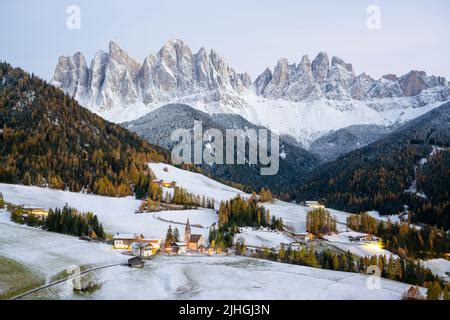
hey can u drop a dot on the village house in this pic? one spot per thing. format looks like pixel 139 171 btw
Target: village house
pixel 296 245
pixel 304 237
pixel 361 238
pixel 177 248
pixel 155 243
pixel 142 249
pixel 314 205
pixel 40 213
pixel 123 241
pixel 194 242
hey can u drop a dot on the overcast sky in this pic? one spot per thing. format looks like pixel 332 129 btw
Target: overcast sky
pixel 251 35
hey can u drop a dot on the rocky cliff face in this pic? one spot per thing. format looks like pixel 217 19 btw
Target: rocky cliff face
pixel 304 99
pixel 337 81
pixel 115 79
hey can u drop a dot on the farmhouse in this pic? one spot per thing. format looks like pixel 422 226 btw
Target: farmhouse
pixel 304 237
pixel 155 243
pixel 123 241
pixel 361 238
pixel 142 249
pixel 165 184
pixel 314 205
pixel 38 212
pixel 194 242
pixel 179 247
pixel 296 245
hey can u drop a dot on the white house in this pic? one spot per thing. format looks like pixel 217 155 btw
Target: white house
pixel 304 237
pixel 123 241
pixel 182 248
pixel 142 249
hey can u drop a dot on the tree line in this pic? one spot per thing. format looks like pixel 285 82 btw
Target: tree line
pixel 247 213
pixel 180 196
pixel 320 221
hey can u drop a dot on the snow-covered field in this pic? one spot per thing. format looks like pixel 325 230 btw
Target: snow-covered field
pixel 262 238
pixel 196 183
pixel 295 215
pixel 180 277
pixel 229 278
pixel 439 267
pixel 48 253
pixel 375 214
pixel 116 214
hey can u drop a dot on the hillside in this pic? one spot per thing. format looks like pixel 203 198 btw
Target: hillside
pixel 50 140
pixel 156 127
pixel 337 143
pixel 409 166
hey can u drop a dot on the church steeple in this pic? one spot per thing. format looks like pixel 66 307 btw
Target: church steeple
pixel 187 232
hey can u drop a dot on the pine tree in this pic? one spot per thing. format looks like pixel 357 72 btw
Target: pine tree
pixel 176 235
pixel 169 236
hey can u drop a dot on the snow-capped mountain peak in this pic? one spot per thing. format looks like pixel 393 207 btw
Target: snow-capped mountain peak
pixel 305 99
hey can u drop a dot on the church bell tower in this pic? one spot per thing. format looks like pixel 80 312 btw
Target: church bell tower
pixel 187 233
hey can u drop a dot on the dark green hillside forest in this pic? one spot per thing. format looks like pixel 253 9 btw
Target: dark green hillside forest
pixel 47 139
pixel 377 176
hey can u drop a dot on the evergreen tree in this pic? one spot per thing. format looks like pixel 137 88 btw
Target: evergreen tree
pixel 176 235
pixel 169 236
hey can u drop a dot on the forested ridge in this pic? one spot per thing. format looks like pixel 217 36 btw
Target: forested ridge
pixel 48 139
pixel 376 177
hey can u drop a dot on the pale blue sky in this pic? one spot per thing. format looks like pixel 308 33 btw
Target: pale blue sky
pixel 251 35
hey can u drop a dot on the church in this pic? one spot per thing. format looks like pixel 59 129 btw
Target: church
pixel 194 242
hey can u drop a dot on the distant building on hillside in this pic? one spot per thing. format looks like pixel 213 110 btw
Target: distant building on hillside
pixel 361 238
pixel 194 242
pixel 37 212
pixel 304 237
pixel 314 204
pixel 165 184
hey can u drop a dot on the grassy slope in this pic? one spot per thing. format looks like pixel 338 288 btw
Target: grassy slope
pixel 16 278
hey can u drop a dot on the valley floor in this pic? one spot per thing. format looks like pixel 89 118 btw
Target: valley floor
pixel 44 256
pixel 179 277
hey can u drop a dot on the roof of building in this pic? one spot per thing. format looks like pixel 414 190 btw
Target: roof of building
pixel 141 244
pixel 125 236
pixel 33 208
pixel 195 238
pixel 152 240
pixel 135 260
